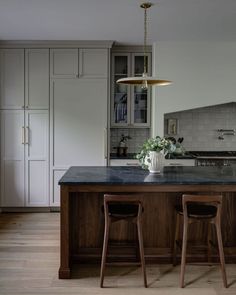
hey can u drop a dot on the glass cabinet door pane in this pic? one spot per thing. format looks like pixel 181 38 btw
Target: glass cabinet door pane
pixel 120 90
pixel 139 65
pixel 140 105
pixel 120 102
pixel 121 65
pixel 140 98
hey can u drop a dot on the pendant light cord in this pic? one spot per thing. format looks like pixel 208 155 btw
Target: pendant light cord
pixel 144 80
pixel 145 42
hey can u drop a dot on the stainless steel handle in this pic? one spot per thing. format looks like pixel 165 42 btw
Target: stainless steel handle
pixel 23 135
pixel 27 135
pixel 105 143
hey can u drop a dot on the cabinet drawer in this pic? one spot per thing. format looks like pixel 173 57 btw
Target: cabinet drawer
pixel 180 162
pixel 125 162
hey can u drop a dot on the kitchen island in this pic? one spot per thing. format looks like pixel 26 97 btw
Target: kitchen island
pixel 82 220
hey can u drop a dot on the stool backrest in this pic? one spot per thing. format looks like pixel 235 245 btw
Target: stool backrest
pixel 215 200
pixel 122 199
pixel 132 199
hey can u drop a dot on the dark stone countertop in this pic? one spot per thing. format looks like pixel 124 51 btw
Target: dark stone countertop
pixel 137 175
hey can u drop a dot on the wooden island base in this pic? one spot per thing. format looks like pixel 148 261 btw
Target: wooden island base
pixel 82 224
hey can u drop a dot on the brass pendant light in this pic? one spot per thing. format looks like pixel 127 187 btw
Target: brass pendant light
pixel 144 80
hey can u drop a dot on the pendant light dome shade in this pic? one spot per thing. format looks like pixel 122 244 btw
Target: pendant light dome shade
pixel 144 80
pixel 141 81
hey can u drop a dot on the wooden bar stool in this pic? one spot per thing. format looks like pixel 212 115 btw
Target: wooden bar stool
pixel 122 207
pixel 205 208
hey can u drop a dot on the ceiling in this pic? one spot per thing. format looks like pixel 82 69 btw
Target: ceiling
pixel 118 20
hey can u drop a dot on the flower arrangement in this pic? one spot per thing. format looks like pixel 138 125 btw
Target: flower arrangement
pixel 156 144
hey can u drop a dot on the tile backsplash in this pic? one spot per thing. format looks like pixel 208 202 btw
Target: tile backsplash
pixel 138 136
pixel 199 127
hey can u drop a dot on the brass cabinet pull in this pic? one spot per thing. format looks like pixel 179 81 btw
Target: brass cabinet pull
pixel 105 143
pixel 23 135
pixel 27 135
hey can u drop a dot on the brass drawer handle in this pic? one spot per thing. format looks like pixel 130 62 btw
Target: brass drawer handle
pixel 23 135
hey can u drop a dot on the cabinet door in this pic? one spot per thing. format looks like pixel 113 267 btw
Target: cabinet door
pixel 140 98
pixel 12 158
pixel 93 63
pixel 37 78
pixel 120 104
pixel 12 78
pixel 36 158
pixel 64 63
pixel 79 122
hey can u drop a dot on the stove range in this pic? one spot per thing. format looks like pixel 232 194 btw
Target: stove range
pixel 216 158
pixel 210 154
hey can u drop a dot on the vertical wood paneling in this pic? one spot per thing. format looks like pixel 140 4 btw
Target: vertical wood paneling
pixel 87 223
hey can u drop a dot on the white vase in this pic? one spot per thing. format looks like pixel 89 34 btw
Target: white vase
pixel 156 162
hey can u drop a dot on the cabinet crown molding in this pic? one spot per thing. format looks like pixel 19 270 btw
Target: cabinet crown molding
pixel 56 44
pixel 131 48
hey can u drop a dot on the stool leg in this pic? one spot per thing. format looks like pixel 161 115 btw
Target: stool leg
pixel 141 249
pixel 104 250
pixel 221 251
pixel 175 239
pixel 137 253
pixel 184 248
pixel 209 242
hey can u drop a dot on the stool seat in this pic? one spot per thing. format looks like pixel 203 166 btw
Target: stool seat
pixel 122 211
pixel 198 210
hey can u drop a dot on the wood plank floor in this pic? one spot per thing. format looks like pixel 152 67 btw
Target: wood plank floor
pixel 29 262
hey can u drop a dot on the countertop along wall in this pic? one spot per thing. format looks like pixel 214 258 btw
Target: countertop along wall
pixel 203 74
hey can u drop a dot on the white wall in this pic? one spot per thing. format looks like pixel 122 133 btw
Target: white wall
pixel 203 74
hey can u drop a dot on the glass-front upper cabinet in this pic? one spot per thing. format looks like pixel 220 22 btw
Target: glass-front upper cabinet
pixel 120 92
pixel 130 105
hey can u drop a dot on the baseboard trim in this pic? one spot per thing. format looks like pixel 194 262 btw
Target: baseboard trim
pixel 55 209
pixel 25 209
